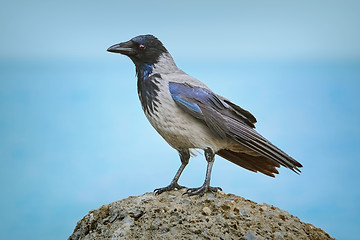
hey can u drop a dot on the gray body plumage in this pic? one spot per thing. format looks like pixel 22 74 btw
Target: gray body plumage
pixel 188 115
pixel 178 129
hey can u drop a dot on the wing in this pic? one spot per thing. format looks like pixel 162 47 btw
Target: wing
pixel 202 104
pixel 228 120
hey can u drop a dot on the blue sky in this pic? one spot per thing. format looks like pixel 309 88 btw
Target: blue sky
pixel 73 136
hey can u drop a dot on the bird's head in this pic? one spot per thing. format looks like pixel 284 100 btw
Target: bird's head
pixel 143 49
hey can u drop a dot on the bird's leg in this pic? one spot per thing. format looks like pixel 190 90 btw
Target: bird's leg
pixel 210 158
pixel 184 157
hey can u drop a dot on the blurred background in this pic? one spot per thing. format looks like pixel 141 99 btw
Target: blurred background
pixel 73 135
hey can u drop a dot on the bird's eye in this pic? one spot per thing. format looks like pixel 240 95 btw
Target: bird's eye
pixel 142 47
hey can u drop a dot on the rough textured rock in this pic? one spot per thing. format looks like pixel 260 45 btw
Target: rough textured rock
pixel 171 215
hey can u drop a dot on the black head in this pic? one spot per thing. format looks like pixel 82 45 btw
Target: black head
pixel 143 49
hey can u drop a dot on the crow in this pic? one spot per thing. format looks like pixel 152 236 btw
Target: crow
pixel 188 115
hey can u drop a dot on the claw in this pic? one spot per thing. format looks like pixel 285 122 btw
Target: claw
pixel 172 186
pixel 201 190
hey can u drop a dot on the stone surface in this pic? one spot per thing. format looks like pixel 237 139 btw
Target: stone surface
pixel 171 215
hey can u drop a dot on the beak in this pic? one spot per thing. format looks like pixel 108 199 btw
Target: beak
pixel 123 48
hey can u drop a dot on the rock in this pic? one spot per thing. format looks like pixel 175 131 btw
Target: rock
pixel 206 211
pixel 171 215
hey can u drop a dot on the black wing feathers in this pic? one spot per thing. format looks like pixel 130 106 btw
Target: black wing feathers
pixel 245 115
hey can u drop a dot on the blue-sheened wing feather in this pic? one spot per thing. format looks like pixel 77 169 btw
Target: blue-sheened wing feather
pixel 201 104
pixel 191 106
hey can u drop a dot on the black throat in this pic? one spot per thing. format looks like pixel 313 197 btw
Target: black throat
pixel 147 85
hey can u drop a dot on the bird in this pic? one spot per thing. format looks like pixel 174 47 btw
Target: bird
pixel 190 116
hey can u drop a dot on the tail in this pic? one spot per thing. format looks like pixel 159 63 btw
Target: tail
pixel 257 163
pixel 266 156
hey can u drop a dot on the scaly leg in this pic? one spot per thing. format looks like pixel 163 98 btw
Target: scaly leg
pixel 210 158
pixel 184 157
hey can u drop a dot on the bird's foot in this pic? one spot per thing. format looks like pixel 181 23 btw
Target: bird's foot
pixel 201 190
pixel 172 186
